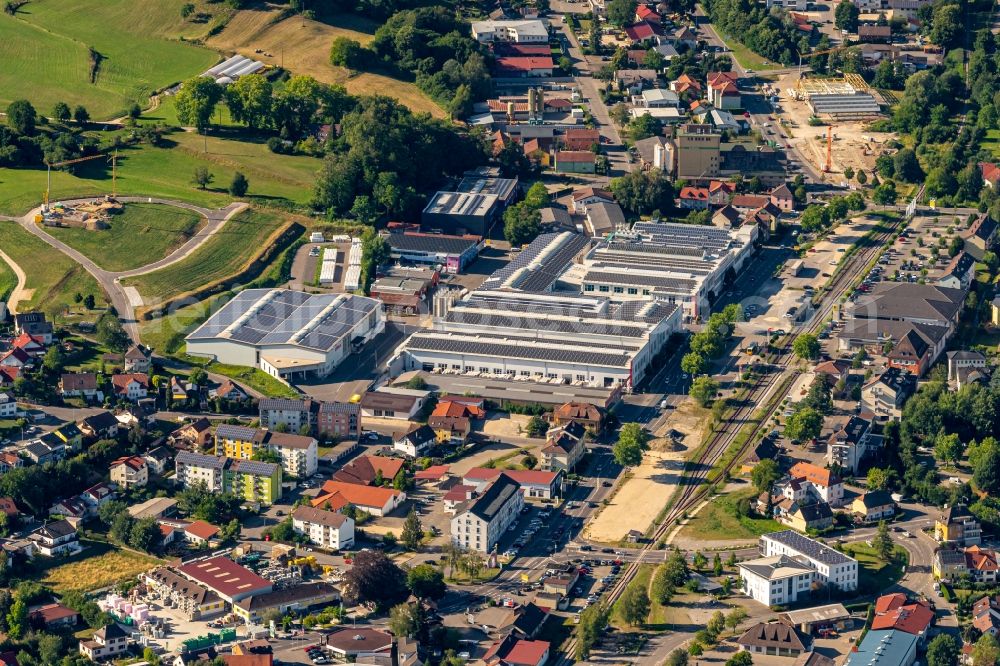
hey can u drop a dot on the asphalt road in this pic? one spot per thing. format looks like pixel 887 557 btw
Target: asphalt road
pixel 109 280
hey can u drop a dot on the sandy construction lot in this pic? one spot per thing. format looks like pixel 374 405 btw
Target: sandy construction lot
pixel 639 500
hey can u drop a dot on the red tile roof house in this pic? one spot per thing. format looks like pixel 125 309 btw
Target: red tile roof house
pixel 16 358
pixel 524 66
pixel 645 13
pixel 590 195
pixel 684 83
pixel 53 615
pixel 366 470
pixel 515 651
pixel 991 174
pixel 371 499
pixel 723 92
pixel 133 386
pixel 78 384
pixel 694 198
pixel 895 611
pixel 199 532
pixel 536 484
pixel 33 345
pixel 642 31
pixel 720 192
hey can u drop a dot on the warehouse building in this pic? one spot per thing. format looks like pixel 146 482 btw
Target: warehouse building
pixel 557 338
pixel 452 253
pixel 472 207
pixel 288 334
pixel 681 264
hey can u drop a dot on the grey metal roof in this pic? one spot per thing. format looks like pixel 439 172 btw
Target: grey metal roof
pixel 430 243
pixel 809 547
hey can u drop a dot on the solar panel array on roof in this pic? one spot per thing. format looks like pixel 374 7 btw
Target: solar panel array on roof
pixel 536 321
pixel 809 547
pixel 281 316
pixel 507 348
pixel 540 264
pixel 640 279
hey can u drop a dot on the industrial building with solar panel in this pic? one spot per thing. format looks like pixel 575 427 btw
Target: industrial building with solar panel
pixel 288 334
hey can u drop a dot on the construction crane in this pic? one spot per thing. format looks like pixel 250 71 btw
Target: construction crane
pixel 114 172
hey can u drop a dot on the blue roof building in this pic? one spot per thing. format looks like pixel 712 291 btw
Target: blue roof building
pixel 885 648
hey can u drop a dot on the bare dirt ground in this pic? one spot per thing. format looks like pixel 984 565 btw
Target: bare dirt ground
pixel 850 148
pixel 640 499
pixel 303 47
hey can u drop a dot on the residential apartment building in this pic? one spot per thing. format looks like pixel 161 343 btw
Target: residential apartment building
pixel 823 484
pixel 832 568
pixel 290 415
pixel 298 453
pixel 957 525
pixel 338 420
pixel 191 469
pixel 251 480
pixel 326 529
pixel 850 443
pixel 564 447
pixel 885 394
pixel 130 472
pixel 480 524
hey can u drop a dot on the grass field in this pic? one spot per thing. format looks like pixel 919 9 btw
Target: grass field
pixel 46 53
pixel 255 379
pixel 992 142
pixel 142 234
pixel 93 573
pixel 302 46
pixel 7 280
pixel 719 520
pixel 238 242
pixel 747 58
pixel 167 172
pixel 874 575
pixel 166 334
pixel 53 277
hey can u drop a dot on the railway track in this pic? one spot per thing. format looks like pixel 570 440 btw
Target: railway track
pixel 774 383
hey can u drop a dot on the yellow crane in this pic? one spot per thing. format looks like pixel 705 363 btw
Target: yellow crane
pixel 114 171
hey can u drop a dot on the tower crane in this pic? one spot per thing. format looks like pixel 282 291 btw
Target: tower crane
pixel 114 172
